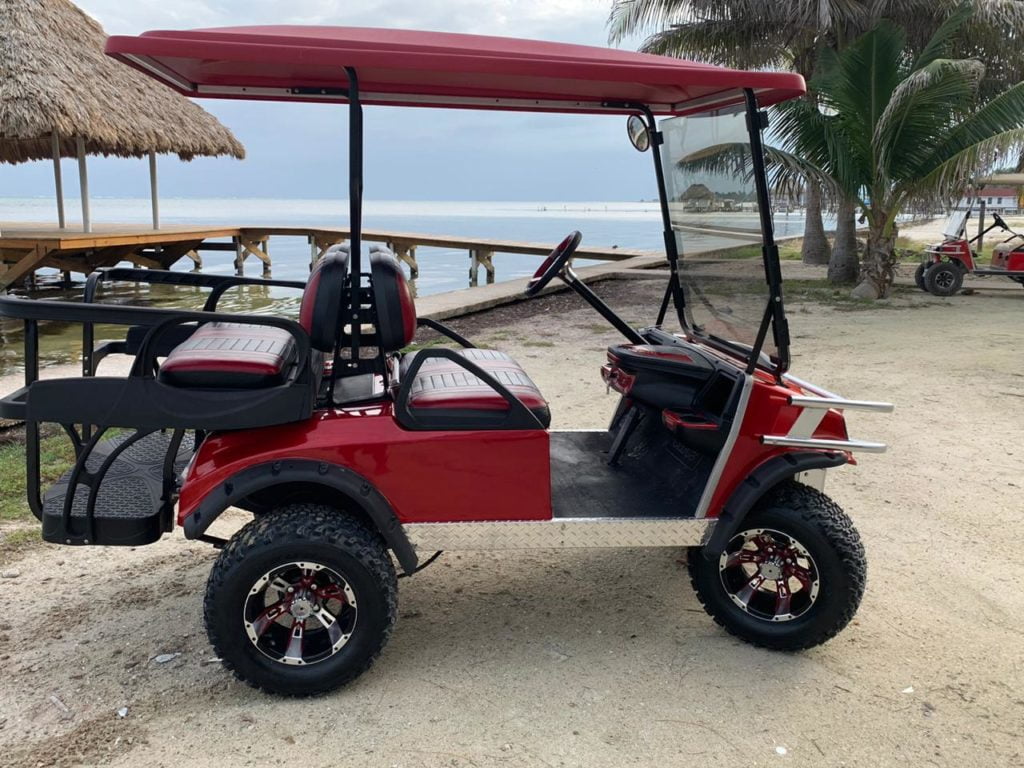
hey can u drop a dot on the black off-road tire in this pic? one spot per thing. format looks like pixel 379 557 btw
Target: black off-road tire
pixel 919 275
pixel 943 278
pixel 817 522
pixel 301 532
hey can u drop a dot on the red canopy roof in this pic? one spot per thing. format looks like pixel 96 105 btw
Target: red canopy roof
pixel 408 68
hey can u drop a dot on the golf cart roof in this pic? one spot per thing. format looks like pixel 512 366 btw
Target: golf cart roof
pixel 437 69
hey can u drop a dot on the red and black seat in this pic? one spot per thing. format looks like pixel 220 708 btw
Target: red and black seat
pixel 238 356
pixel 442 393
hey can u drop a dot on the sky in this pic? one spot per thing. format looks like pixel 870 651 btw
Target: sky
pixel 299 150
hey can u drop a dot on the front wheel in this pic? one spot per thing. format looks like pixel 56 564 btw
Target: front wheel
pixel 791 577
pixel 943 278
pixel 301 600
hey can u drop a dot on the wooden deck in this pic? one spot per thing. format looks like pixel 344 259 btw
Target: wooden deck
pixel 26 247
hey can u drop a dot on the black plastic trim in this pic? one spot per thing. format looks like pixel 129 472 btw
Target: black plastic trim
pixel 341 479
pixel 434 325
pixel 757 484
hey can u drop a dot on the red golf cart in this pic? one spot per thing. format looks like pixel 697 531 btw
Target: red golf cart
pixel 945 264
pixel 354 456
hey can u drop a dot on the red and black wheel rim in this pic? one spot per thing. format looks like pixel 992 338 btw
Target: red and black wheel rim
pixel 769 575
pixel 300 613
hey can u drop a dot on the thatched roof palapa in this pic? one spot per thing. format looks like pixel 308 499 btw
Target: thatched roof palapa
pixel 54 76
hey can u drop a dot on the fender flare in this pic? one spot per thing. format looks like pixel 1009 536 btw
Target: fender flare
pixel 332 476
pixel 765 477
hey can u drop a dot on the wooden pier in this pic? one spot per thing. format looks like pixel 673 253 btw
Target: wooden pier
pixel 24 248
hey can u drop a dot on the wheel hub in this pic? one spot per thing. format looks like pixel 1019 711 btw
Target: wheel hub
pixel 769 575
pixel 300 613
pixel 301 608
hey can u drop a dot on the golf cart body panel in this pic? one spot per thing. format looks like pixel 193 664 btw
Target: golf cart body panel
pixel 344 444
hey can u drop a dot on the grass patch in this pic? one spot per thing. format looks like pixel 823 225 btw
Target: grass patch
pixel 14 541
pixel 417 345
pixel 538 343
pixel 55 456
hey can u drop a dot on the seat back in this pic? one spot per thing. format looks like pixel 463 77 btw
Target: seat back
pixel 324 298
pixel 394 305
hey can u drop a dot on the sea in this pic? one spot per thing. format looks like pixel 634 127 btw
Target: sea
pixel 627 225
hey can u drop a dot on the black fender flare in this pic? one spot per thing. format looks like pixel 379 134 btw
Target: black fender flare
pixel 332 476
pixel 756 485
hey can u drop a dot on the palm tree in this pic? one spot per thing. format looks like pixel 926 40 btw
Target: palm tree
pixel 890 130
pixel 792 33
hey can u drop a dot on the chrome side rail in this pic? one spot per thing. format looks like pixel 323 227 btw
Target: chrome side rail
pixel 841 404
pixel 824 444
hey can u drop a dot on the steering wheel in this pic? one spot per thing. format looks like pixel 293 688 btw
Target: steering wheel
pixel 999 221
pixel 553 264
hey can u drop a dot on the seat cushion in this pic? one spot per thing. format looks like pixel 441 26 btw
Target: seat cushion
pixel 232 356
pixel 444 392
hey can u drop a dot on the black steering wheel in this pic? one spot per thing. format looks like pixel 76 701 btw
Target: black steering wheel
pixel 999 221
pixel 553 264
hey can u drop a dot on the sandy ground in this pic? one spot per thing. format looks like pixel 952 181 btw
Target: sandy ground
pixel 601 658
pixel 931 231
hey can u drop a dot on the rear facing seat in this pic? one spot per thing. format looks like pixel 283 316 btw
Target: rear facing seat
pixel 230 355
pixel 239 356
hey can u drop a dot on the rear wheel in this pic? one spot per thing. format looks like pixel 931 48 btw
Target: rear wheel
pixel 919 275
pixel 943 278
pixel 301 600
pixel 791 577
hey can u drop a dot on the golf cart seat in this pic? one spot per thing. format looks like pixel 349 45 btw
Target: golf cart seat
pixel 443 394
pixel 238 356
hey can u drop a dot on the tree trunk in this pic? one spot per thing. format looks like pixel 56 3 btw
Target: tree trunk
pixel 816 249
pixel 843 265
pixel 879 266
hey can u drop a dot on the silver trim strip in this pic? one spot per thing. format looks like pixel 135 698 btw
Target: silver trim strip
pixel 560 533
pixel 822 443
pixel 160 72
pixel 371 97
pixel 811 387
pixel 726 452
pixel 841 404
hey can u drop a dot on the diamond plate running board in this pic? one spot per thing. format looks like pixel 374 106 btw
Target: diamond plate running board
pixel 564 533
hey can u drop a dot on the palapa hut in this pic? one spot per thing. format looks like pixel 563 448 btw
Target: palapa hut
pixel 60 96
pixel 698 197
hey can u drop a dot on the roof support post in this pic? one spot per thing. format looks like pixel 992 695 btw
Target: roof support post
pixel 355 204
pixel 83 183
pixel 154 196
pixel 58 182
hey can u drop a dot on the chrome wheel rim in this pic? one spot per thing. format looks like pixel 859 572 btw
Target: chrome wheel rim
pixel 769 575
pixel 300 613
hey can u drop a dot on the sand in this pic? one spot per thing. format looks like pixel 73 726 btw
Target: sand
pixel 604 657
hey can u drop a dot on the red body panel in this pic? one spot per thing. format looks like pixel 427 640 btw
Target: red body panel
pixel 768 413
pixel 953 250
pixel 426 476
pixel 479 475
pixel 1008 256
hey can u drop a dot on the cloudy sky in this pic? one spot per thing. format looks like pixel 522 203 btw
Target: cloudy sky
pixel 297 150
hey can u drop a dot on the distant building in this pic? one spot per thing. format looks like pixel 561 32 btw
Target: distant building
pixel 996 199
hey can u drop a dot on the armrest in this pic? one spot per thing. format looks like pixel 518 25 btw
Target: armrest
pixel 219 283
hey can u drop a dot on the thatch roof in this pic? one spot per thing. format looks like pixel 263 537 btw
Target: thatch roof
pixel 55 76
pixel 698 192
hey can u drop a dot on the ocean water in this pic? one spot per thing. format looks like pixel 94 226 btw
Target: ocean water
pixel 632 225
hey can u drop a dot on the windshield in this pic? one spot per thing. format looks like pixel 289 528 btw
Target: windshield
pixel 956 224
pixel 716 223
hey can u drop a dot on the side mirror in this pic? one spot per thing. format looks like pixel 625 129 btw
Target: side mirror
pixel 638 133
